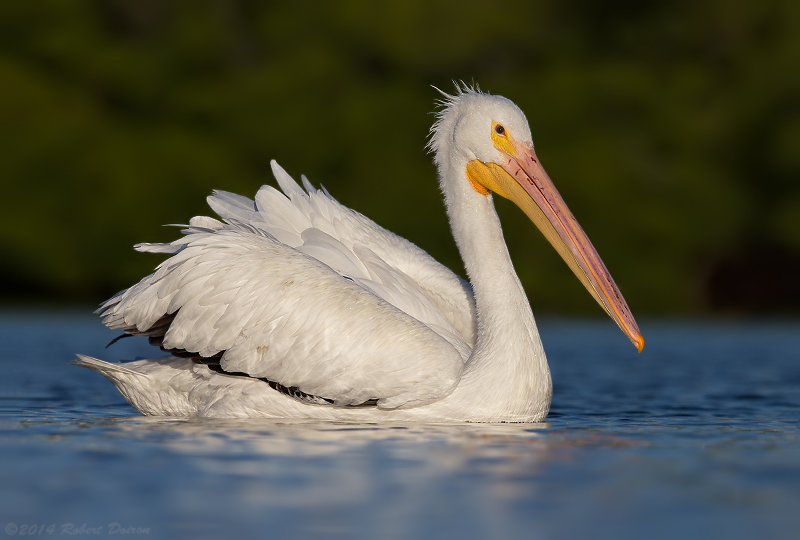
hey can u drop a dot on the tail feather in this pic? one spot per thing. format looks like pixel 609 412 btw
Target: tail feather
pixel 173 386
pixel 112 371
pixel 147 394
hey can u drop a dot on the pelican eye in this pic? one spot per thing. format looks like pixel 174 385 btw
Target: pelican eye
pixel 501 139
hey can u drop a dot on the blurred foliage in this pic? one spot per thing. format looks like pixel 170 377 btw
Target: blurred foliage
pixel 672 129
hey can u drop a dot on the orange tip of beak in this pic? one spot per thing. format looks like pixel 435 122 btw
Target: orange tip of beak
pixel 639 343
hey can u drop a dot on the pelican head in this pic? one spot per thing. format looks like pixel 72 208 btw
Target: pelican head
pixel 485 141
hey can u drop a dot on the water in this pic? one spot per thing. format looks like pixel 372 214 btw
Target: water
pixel 697 437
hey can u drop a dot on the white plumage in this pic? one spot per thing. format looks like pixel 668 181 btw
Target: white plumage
pixel 296 306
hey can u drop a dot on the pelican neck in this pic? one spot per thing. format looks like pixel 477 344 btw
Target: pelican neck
pixel 507 369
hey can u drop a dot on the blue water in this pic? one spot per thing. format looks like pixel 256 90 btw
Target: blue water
pixel 697 437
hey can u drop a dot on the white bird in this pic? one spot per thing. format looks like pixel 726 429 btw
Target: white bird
pixel 295 306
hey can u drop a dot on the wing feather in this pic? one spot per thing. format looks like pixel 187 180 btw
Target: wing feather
pixel 295 321
pixel 298 289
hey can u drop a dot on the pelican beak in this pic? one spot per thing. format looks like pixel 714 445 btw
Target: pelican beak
pixel 522 180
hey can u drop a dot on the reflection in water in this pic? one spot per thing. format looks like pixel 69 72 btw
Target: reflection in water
pixel 423 481
pixel 399 480
pixel 308 438
pixel 416 455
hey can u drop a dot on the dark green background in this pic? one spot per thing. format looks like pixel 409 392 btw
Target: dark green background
pixel 672 129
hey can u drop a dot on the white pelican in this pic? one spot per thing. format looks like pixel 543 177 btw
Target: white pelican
pixel 294 306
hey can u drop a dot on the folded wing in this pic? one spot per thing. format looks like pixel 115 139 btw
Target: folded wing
pixel 306 293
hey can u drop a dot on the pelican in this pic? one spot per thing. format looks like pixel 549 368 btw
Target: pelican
pixel 295 306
